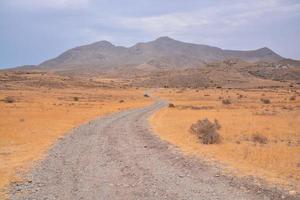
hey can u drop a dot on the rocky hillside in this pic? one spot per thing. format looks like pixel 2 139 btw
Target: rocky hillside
pixel 162 53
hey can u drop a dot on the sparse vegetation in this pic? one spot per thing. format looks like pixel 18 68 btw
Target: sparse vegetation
pixel 34 117
pixel 287 107
pixel 240 96
pixel 9 99
pixel 146 95
pixel 76 98
pixel 293 98
pixel 254 135
pixel 206 131
pixel 121 101
pixel 259 138
pixel 265 100
pixel 226 101
pixel 171 105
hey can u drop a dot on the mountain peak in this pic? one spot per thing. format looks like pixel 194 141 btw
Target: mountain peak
pixel 165 38
pixel 267 51
pixel 102 43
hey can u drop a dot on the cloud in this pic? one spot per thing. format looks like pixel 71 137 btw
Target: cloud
pixel 163 23
pixel 50 4
pixel 220 17
pixel 51 26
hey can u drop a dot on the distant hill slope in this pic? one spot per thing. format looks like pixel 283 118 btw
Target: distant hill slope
pixel 162 53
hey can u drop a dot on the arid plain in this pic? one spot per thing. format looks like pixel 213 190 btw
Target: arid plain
pixel 259 139
pixel 44 108
pixel 236 110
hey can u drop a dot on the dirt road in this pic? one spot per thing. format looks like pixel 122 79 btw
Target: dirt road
pixel 117 157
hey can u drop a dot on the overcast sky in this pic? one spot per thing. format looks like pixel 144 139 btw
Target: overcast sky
pixel 32 31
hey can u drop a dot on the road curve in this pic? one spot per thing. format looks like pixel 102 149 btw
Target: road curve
pixel 117 157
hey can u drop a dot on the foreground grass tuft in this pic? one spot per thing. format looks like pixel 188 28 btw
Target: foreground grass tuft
pixel 207 131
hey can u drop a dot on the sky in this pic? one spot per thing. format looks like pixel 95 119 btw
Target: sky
pixel 32 31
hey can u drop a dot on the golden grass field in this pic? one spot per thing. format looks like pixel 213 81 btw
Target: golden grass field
pixel 40 116
pixel 47 106
pixel 278 161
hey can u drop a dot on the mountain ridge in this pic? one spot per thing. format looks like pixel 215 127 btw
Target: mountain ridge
pixel 164 52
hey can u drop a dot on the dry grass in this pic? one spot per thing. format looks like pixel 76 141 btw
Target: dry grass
pixel 31 125
pixel 276 161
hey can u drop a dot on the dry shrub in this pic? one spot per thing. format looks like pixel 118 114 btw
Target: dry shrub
pixel 287 107
pixel 121 101
pixel 76 98
pixel 293 98
pixel 226 101
pixel 9 99
pixel 171 105
pixel 206 131
pixel 240 96
pixel 195 107
pixel 265 100
pixel 258 138
pixel 146 95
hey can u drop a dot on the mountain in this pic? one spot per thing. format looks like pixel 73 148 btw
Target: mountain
pixel 162 53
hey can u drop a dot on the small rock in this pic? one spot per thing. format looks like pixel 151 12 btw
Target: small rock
pixel 243 188
pixel 40 184
pixel 292 192
pixel 217 175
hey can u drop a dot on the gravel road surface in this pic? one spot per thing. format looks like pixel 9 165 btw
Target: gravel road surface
pixel 118 157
